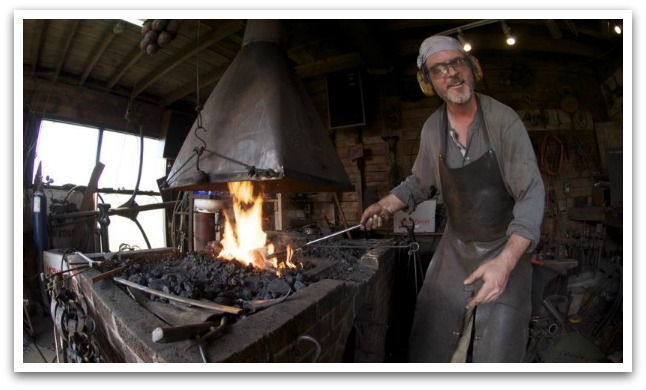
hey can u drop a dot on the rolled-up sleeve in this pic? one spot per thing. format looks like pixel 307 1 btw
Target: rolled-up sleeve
pixel 419 186
pixel 523 178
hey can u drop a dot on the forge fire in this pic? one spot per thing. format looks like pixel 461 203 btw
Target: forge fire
pixel 243 238
pixel 239 268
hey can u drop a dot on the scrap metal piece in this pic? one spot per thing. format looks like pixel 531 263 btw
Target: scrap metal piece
pixel 212 333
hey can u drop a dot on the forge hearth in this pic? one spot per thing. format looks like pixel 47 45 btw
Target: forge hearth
pixel 340 300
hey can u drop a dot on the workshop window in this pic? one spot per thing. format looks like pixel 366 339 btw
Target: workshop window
pixel 120 155
pixel 69 153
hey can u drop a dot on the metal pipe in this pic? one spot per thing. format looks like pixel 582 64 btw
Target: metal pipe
pixel 90 262
pixel 553 311
pixel 117 211
pixel 468 26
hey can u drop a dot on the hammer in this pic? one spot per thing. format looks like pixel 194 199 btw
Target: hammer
pixel 183 332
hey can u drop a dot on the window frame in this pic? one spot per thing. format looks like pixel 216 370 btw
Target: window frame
pixel 100 146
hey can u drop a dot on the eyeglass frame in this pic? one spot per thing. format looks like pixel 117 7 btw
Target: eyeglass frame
pixel 456 63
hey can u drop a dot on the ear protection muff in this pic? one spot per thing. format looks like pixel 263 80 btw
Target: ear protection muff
pixel 424 82
pixel 475 68
pixel 424 78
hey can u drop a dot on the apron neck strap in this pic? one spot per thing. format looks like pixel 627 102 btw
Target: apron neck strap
pixel 444 125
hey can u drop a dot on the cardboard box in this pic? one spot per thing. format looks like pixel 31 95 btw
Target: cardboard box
pixel 423 216
pixel 52 261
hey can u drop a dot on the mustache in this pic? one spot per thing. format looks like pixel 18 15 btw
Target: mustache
pixel 456 80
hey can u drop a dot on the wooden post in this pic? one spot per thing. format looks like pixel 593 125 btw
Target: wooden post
pixel 87 204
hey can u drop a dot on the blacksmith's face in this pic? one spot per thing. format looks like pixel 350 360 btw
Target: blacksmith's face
pixel 451 76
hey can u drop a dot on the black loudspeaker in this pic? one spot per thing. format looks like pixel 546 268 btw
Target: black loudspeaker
pixel 345 99
pixel 175 128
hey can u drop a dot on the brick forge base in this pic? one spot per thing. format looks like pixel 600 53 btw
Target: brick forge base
pixel 348 319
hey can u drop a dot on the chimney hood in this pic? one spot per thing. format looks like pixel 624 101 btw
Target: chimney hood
pixel 259 124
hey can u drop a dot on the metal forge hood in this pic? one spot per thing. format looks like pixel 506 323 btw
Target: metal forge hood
pixel 259 124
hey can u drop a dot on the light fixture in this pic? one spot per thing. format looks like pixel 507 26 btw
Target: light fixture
pixel 617 28
pixel 511 40
pixel 466 45
pixel 136 22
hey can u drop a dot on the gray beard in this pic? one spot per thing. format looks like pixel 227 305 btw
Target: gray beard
pixel 450 95
pixel 453 96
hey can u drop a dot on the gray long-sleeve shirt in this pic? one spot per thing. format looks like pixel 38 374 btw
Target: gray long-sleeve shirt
pixel 516 158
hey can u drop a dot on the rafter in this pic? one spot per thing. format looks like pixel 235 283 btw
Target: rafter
pixel 68 42
pixel 39 34
pixel 207 79
pixel 328 65
pixel 135 54
pixel 98 52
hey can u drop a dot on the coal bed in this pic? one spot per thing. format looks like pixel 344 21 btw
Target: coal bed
pixel 313 312
pixel 198 275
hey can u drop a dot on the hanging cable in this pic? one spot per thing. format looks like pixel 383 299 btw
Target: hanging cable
pixel 203 176
pixel 551 170
pixel 555 169
pixel 131 201
pixel 198 108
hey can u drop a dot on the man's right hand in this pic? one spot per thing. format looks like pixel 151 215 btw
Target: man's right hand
pixel 377 213
pixel 373 217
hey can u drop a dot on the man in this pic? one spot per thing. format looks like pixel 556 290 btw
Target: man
pixel 475 303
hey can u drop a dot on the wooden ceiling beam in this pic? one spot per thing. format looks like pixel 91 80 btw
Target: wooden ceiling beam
pixel 66 47
pixel 39 37
pixel 135 54
pixel 98 52
pixel 207 79
pixel 328 65
pixel 224 30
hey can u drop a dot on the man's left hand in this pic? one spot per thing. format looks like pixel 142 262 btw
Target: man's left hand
pixel 494 274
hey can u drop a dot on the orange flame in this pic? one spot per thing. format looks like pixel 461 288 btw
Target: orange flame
pixel 247 242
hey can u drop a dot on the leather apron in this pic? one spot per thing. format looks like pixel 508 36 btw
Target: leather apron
pixel 479 211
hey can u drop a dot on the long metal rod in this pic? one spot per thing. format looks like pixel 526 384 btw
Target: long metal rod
pixel 333 234
pixel 193 302
pixel 116 211
pixel 281 253
pixel 469 26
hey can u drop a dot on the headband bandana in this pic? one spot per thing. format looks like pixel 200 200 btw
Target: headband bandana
pixel 436 44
